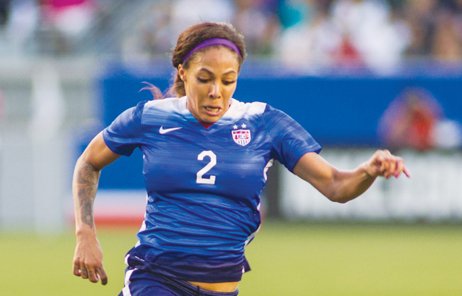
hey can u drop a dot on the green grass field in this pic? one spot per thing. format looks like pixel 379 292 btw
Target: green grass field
pixel 286 258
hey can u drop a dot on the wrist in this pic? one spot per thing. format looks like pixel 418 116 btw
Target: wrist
pixel 84 231
pixel 364 168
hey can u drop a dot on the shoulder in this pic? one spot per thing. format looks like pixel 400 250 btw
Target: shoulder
pixel 240 109
pixel 166 105
pixel 252 108
pixel 255 110
pixel 272 113
pixel 155 110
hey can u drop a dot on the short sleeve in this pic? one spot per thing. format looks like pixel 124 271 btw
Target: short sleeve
pixel 124 134
pixel 290 141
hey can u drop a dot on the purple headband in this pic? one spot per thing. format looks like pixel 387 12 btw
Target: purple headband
pixel 212 42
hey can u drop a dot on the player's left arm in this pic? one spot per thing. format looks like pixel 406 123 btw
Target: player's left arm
pixel 345 185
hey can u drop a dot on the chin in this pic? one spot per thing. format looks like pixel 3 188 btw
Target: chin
pixel 209 120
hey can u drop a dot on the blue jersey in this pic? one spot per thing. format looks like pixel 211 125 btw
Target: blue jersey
pixel 203 184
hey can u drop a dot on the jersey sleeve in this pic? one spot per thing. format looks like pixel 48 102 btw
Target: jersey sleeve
pixel 124 134
pixel 290 141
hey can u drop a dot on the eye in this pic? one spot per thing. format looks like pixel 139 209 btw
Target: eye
pixel 229 82
pixel 202 80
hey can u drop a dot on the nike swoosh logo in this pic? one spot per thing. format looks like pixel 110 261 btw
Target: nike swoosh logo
pixel 163 130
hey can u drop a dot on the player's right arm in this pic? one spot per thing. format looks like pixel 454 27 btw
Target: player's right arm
pixel 88 257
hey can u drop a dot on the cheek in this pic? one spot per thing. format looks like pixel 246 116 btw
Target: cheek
pixel 229 90
pixel 195 95
pixel 191 93
pixel 196 89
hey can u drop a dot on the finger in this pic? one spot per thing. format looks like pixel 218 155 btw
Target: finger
pixel 102 275
pixel 380 163
pixel 384 167
pixel 392 166
pixel 393 163
pixel 92 275
pixel 399 168
pixel 83 271
pixel 406 172
pixel 77 269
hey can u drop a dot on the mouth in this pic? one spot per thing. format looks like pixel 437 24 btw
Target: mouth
pixel 212 110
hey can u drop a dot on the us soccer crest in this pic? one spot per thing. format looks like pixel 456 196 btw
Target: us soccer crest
pixel 241 136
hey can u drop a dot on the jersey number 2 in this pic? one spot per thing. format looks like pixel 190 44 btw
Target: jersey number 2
pixel 200 179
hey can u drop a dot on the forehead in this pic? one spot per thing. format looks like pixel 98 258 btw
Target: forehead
pixel 215 58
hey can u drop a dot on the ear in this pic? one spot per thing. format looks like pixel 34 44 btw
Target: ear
pixel 182 72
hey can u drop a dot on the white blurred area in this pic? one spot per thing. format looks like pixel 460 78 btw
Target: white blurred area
pixel 51 53
pixel 349 32
pixel 44 109
pixel 432 193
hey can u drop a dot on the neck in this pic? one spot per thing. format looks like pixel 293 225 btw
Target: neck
pixel 206 124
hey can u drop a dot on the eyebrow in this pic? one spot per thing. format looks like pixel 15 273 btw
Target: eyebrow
pixel 211 73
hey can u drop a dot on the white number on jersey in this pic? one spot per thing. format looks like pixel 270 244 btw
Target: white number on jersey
pixel 200 174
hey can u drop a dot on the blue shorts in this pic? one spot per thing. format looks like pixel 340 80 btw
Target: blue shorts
pixel 144 283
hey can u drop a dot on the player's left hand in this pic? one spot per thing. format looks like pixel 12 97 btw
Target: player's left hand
pixel 383 163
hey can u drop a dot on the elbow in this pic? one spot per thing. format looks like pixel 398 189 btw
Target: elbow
pixel 339 191
pixel 338 197
pixel 341 200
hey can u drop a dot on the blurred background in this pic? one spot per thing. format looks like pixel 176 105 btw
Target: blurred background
pixel 357 74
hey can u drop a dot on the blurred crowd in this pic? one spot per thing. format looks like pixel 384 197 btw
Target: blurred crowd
pixel 310 36
pixel 415 120
pixel 301 34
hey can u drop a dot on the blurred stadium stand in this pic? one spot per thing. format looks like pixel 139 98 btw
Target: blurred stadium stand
pixel 60 84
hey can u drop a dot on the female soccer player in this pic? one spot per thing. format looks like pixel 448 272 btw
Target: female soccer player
pixel 205 158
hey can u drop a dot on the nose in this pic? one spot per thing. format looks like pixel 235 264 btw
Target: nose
pixel 214 91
